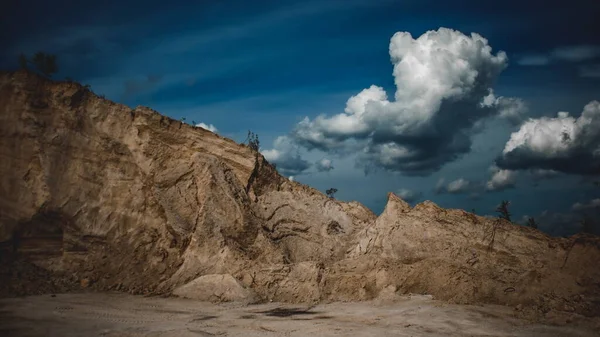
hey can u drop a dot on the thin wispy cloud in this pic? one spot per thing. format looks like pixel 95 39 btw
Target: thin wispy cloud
pixel 590 71
pixel 572 54
pixel 534 60
pixel 122 54
pixel 576 53
pixel 458 186
pixel 594 203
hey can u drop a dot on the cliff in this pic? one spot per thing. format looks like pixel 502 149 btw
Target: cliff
pixel 95 194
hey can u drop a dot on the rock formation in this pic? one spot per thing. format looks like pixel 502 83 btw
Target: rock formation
pixel 95 194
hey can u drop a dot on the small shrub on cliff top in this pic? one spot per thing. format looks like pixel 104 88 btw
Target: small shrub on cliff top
pixel 331 192
pixel 532 223
pixel 502 209
pixel 253 141
pixel 44 63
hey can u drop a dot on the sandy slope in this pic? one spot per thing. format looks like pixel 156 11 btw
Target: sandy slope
pixel 112 314
pixel 98 196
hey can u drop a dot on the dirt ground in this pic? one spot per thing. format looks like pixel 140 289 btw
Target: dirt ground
pixel 113 314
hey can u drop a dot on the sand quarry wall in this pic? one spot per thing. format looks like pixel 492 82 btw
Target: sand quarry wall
pixel 98 195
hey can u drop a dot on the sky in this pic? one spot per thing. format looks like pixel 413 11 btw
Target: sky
pixel 464 103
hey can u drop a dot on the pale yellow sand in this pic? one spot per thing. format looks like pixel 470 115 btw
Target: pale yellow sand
pixel 109 314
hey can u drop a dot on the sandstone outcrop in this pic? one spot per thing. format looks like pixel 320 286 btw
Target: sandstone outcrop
pixel 130 200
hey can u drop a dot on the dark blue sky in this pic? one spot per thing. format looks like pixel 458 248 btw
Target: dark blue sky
pixel 266 65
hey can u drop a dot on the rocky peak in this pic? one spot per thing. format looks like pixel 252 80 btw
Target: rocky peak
pixel 395 204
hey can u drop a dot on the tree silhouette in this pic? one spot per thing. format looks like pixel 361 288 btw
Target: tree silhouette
pixel 503 210
pixel 331 192
pixel 253 141
pixel 532 223
pixel 44 63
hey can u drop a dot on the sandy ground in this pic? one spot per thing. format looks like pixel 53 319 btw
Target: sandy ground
pixel 110 314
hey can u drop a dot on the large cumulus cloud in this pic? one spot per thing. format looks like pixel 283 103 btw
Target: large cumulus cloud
pixel 563 143
pixel 444 90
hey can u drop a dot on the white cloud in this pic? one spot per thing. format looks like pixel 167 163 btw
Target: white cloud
pixel 208 127
pixel 440 184
pixel 441 78
pixel 457 186
pixel 501 179
pixel 408 195
pixel 576 53
pixel 324 165
pixel 286 156
pixel 509 108
pixel 594 203
pixel 563 143
pixel 573 54
pixel 534 60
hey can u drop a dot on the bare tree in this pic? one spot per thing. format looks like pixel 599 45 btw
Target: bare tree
pixel 502 209
pixel 532 223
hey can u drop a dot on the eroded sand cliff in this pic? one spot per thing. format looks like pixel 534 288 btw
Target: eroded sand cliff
pixel 95 194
